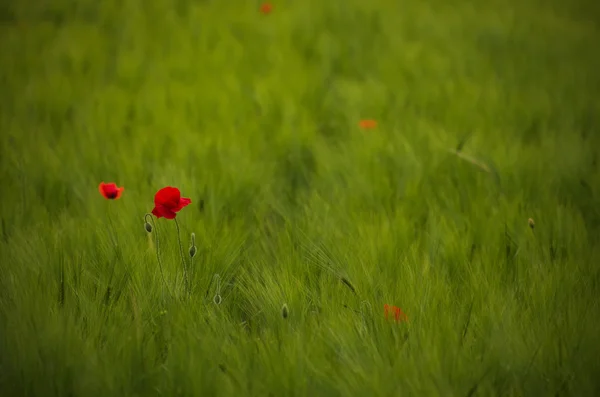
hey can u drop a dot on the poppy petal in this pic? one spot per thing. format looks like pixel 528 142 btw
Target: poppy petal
pixel 168 214
pixel 119 192
pixel 266 8
pixel 156 212
pixel 367 124
pixel 182 203
pixel 163 212
pixel 110 191
pixel 168 201
pixel 168 196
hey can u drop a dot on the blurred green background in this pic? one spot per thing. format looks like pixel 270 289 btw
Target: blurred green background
pixel 488 114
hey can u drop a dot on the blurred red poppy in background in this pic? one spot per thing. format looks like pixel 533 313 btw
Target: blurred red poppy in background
pixel 367 124
pixel 266 8
pixel 110 191
pixel 168 201
pixel 398 313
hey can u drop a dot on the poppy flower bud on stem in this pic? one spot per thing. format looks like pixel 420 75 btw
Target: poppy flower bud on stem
pixel 531 223
pixel 193 246
pixel 284 311
pixel 217 298
pixel 148 225
pixel 192 253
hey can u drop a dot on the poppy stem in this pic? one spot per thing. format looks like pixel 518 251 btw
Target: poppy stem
pixel 113 230
pixel 113 236
pixel 183 262
pixel 160 268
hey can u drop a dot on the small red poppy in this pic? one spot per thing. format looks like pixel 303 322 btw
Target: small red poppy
pixel 398 313
pixel 168 201
pixel 110 191
pixel 266 8
pixel 367 124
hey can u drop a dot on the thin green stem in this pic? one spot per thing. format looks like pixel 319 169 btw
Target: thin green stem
pixel 217 298
pixel 160 267
pixel 112 231
pixel 191 267
pixel 113 236
pixel 183 263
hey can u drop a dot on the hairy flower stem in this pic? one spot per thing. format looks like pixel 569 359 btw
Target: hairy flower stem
pixel 183 262
pixel 160 267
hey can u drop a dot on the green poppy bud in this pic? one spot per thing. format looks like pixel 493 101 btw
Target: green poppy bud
pixel 193 245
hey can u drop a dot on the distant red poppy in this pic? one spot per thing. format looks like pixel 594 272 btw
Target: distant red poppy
pixel 398 313
pixel 367 124
pixel 266 8
pixel 168 201
pixel 110 191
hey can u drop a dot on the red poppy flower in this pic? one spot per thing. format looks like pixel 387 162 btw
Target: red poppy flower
pixel 168 201
pixel 266 8
pixel 398 313
pixel 110 191
pixel 367 124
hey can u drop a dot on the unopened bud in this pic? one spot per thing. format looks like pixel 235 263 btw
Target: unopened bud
pixel 148 227
pixel 193 245
pixel 284 311
pixel 217 299
pixel 531 223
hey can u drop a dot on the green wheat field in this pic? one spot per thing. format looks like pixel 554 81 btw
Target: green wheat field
pixel 473 204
